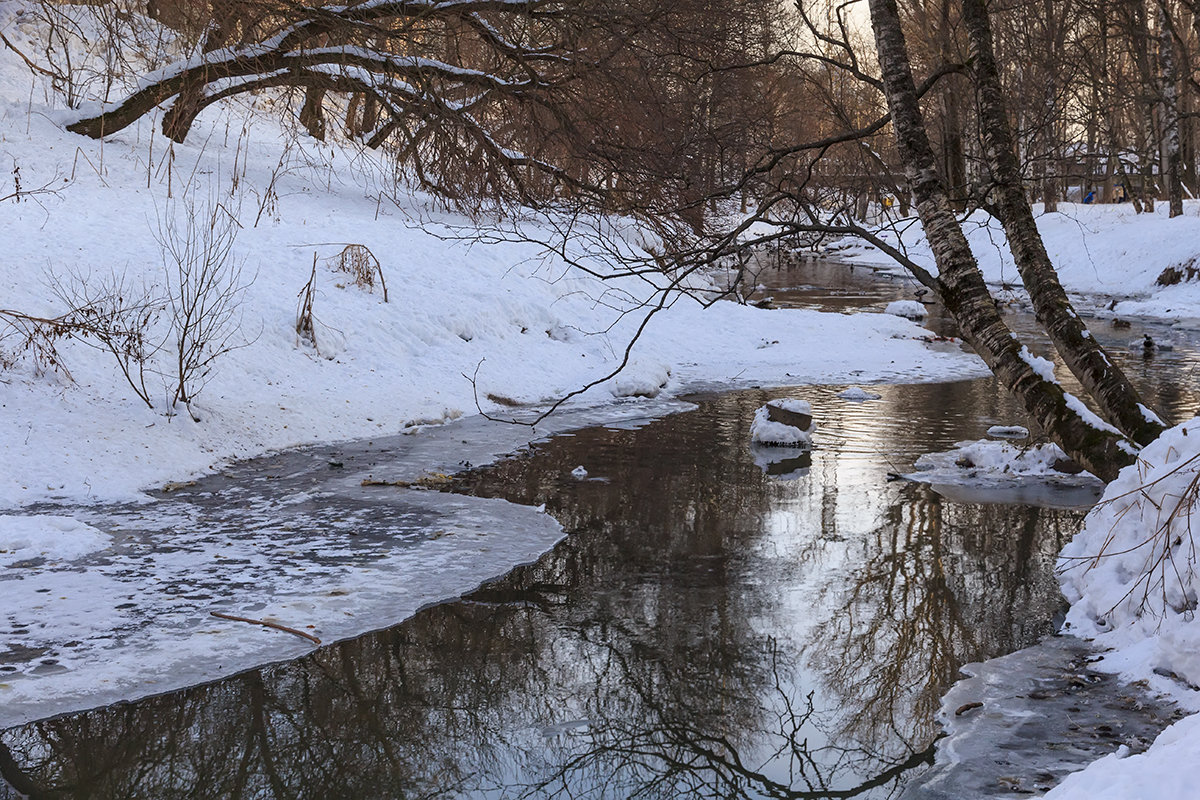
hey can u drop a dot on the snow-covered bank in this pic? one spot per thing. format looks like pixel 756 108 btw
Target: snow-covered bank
pixel 1131 578
pixel 524 324
pixel 1104 250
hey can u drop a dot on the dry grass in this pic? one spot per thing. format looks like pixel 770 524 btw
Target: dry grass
pixel 362 266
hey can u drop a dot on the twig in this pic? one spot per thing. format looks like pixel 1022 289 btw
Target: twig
pixel 266 624
pixel 32 66
pixel 377 482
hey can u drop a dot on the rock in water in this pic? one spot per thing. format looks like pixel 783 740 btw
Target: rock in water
pixel 786 422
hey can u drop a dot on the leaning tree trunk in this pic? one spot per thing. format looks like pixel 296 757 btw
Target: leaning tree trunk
pixel 1104 381
pixel 961 285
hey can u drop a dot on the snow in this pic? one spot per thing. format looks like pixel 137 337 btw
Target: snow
pixel 991 459
pixel 793 404
pixel 1043 367
pixel 1102 250
pixel 1047 711
pixel 497 322
pixel 1149 415
pixel 1008 432
pixel 909 309
pixel 486 321
pixel 524 325
pixel 46 536
pixel 765 431
pixel 334 562
pixel 1130 576
pixel 1088 416
pixel 1170 770
pixel 988 471
pixel 856 394
pixel 641 379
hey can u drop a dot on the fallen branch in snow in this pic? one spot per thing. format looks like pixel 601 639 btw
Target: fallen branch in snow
pixel 432 480
pixel 267 624
pixel 377 482
pixel 34 68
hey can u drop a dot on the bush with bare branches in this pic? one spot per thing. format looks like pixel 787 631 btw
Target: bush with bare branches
pixel 205 287
pixel 113 312
pixel 1136 558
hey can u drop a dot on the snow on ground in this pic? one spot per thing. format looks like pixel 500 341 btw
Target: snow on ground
pixel 1105 250
pixel 1130 575
pixel 46 536
pixel 467 321
pixel 1169 770
pixel 526 327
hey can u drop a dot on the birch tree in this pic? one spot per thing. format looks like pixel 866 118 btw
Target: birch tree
pixel 1097 446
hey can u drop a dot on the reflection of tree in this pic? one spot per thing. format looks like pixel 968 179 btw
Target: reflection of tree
pixel 634 659
pixel 672 749
pixel 940 585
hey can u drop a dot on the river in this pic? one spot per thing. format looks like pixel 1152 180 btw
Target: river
pixel 719 621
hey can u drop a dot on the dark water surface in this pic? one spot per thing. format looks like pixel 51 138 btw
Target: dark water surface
pixel 719 623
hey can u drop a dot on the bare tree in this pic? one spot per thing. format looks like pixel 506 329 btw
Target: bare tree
pixel 205 285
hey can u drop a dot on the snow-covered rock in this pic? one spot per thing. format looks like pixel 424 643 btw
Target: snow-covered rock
pixel 1008 432
pixel 857 394
pixel 909 309
pixel 641 379
pixel 768 429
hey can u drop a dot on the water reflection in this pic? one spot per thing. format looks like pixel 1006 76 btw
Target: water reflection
pixel 706 630
pixel 1168 379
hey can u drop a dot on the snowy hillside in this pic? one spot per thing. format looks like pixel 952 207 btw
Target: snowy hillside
pixel 525 325
pixel 1104 250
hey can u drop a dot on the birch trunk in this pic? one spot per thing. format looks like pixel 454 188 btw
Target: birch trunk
pixel 961 286
pixel 1169 80
pixel 1116 397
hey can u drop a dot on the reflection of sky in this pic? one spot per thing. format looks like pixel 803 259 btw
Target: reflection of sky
pixel 828 538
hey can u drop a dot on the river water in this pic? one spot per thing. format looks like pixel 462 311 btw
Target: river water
pixel 719 622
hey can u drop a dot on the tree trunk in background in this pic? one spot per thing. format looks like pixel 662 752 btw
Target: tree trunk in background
pixel 953 150
pixel 1117 398
pixel 1187 128
pixel 1169 80
pixel 221 30
pixel 312 113
pixel 1147 104
pixel 961 285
